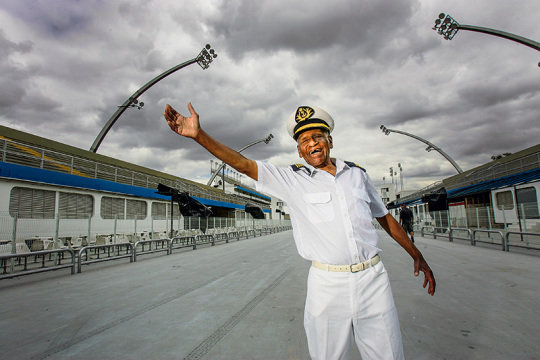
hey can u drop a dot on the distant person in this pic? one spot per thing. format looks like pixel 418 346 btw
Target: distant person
pixel 332 204
pixel 406 220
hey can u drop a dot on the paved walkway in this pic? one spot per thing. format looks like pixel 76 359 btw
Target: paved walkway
pixel 244 300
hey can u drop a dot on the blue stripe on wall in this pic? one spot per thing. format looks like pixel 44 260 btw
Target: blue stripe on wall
pixel 22 172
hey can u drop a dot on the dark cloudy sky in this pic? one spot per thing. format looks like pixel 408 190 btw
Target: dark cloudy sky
pixel 66 65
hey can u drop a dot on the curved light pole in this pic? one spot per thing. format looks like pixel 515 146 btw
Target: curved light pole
pixel 205 57
pixel 222 166
pixel 446 26
pixel 430 147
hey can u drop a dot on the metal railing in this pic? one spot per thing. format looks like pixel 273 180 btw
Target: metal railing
pixel 451 236
pixel 106 250
pixel 157 247
pixel 54 263
pixel 473 238
pixel 524 242
pixel 19 264
pixel 62 232
pixel 496 170
pixel 15 152
pixel 434 232
pixel 182 242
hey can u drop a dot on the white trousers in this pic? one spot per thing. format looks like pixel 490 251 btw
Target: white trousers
pixel 341 306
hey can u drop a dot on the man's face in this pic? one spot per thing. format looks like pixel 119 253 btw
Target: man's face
pixel 314 147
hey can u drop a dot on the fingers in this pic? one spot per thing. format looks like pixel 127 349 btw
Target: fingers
pixel 431 289
pixel 191 109
pixel 170 113
pixel 171 116
pixel 431 280
pixel 428 277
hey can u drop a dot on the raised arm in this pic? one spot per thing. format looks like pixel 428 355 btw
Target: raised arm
pixel 190 127
pixel 398 234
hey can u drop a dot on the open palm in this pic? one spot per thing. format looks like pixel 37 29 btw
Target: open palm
pixel 185 126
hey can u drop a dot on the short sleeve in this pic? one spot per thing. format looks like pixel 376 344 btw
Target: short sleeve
pixel 273 180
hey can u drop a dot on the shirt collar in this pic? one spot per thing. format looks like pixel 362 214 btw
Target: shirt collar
pixel 311 169
pixel 340 166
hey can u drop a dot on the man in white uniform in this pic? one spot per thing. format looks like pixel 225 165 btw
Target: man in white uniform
pixel 332 205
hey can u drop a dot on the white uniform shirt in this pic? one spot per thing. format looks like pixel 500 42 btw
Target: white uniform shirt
pixel 331 216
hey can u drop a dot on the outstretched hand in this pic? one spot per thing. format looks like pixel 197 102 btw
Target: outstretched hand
pixel 421 265
pixel 185 126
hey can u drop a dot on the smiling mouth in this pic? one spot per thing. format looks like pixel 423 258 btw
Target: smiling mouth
pixel 315 151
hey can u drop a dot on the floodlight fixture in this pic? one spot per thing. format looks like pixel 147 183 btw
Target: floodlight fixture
pixel 133 103
pixel 447 27
pixel 204 58
pixel 430 147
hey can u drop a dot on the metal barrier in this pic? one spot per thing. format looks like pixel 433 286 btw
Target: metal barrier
pixel 475 231
pixel 507 239
pixel 151 251
pixel 108 252
pixel 183 241
pixel 434 233
pixel 451 232
pixel 59 255
pixel 84 250
pixel 426 227
pixel 221 237
pixel 204 239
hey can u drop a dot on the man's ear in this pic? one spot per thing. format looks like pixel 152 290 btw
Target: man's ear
pixel 330 142
pixel 299 154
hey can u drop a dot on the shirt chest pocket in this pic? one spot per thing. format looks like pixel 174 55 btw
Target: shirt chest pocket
pixel 319 207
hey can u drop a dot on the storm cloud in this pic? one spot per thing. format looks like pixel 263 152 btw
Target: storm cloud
pixel 67 65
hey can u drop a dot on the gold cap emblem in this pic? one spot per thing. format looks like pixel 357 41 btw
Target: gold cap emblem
pixel 303 113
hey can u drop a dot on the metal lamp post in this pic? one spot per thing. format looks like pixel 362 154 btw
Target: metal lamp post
pixel 205 57
pixel 446 26
pixel 400 175
pixel 222 166
pixel 430 147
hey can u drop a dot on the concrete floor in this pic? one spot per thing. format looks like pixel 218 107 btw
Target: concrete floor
pixel 245 300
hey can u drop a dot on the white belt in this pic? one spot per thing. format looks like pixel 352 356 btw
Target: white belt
pixel 348 268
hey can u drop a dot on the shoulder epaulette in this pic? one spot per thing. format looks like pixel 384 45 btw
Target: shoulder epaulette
pixel 352 164
pixel 298 167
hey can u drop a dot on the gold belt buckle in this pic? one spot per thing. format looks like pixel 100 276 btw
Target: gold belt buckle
pixel 360 269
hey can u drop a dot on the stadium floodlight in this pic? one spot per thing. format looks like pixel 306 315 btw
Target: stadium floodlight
pixel 204 59
pixel 430 147
pixel 206 56
pixel 447 27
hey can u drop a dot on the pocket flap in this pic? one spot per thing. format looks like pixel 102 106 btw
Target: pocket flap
pixel 317 198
